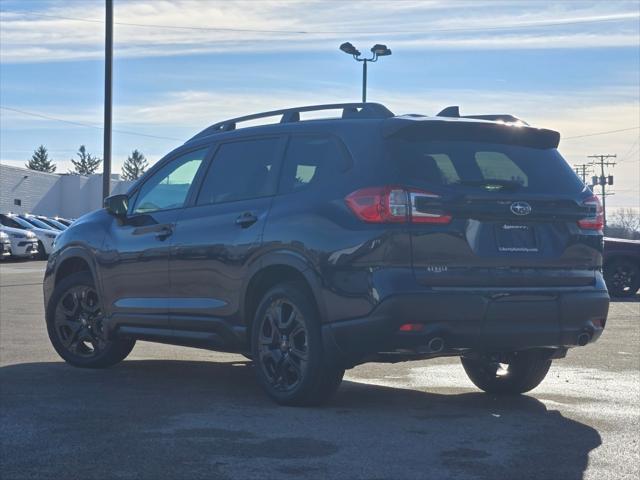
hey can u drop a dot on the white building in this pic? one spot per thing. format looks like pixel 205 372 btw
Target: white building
pixel 65 195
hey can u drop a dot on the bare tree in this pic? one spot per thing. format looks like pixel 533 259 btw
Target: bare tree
pixel 625 223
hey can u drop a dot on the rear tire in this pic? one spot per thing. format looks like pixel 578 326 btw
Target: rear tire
pixel 524 371
pixel 622 278
pixel 287 350
pixel 75 325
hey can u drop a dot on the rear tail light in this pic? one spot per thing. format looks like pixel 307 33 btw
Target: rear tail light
pixel 393 204
pixel 425 213
pixel 411 327
pixel 596 220
pixel 379 204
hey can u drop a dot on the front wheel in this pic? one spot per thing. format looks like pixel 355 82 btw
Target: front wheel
pixel 42 253
pixel 287 349
pixel 512 373
pixel 75 325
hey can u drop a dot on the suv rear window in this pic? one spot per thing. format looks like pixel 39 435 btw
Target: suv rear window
pixel 311 160
pixel 476 165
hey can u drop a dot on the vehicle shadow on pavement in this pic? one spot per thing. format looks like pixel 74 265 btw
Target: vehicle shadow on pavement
pixel 198 419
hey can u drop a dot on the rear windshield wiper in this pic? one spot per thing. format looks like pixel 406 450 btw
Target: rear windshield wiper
pixel 491 184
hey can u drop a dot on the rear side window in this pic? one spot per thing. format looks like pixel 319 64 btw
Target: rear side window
pixel 474 165
pixel 240 171
pixel 311 160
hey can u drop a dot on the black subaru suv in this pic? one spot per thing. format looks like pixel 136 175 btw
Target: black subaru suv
pixel 312 245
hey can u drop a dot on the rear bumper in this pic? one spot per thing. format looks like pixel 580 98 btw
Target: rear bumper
pixel 487 320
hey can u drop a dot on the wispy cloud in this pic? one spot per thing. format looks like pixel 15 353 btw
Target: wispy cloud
pixel 161 28
pixel 184 113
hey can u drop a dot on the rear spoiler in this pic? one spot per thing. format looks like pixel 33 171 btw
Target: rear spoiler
pixel 454 112
pixel 469 129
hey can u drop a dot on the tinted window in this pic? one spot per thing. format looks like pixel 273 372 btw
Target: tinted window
pixel 9 222
pixel 474 165
pixel 310 160
pixel 15 222
pixel 168 187
pixel 241 170
pixel 37 223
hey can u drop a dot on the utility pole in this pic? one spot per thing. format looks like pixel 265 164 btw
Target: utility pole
pixel 603 180
pixel 581 170
pixel 108 66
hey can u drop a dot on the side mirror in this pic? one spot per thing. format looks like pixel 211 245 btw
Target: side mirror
pixel 117 205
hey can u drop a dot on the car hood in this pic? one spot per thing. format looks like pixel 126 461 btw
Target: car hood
pixel 10 230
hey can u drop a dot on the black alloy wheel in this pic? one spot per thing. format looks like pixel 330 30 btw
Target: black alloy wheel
pixel 78 322
pixel 622 278
pixel 287 349
pixel 76 325
pixel 283 348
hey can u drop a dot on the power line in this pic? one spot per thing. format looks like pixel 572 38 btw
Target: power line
pixel 602 133
pixel 345 32
pixel 81 124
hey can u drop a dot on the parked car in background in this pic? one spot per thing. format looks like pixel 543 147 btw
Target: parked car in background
pixel 24 243
pixel 45 236
pixel 621 266
pixel 5 245
pixel 52 223
pixel 33 220
pixel 63 221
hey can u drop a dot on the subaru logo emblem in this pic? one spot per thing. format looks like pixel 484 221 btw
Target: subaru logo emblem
pixel 520 208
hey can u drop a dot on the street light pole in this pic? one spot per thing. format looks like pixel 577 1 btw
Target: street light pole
pixel 364 81
pixel 377 51
pixel 108 66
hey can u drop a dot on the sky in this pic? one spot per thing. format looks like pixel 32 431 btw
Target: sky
pixel 179 66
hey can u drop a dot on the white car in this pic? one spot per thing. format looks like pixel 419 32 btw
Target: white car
pixel 45 236
pixel 5 245
pixel 24 243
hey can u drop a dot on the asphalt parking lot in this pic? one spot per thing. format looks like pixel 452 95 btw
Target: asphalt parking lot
pixel 172 412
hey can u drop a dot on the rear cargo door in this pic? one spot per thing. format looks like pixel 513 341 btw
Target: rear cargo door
pixel 495 214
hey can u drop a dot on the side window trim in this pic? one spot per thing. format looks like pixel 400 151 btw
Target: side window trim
pixel 196 185
pixel 134 196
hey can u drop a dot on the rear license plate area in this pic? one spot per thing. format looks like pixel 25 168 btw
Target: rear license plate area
pixel 514 238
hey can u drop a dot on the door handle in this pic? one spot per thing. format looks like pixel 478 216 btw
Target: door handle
pixel 164 232
pixel 246 219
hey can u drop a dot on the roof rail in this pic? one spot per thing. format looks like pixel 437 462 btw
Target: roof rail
pixel 454 112
pixel 289 115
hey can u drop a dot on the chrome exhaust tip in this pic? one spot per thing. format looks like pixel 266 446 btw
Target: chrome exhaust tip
pixel 584 338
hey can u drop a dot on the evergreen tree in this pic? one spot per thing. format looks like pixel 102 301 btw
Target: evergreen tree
pixel 86 164
pixel 40 161
pixel 134 166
